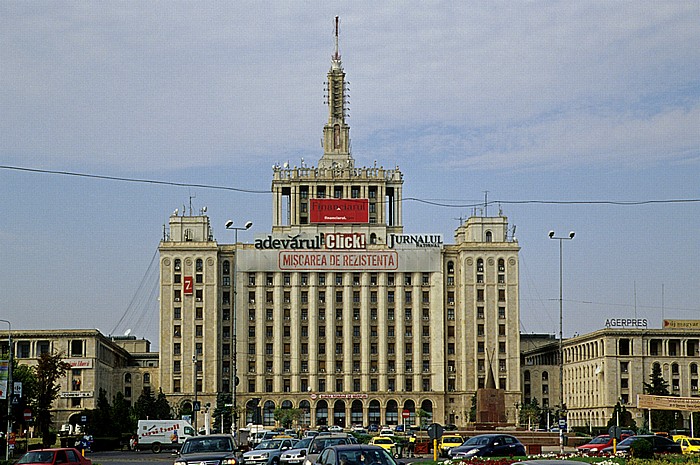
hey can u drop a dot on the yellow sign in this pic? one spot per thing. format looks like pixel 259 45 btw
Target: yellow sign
pixel 681 324
pixel 688 404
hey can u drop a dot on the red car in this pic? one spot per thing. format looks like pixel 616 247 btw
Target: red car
pixel 598 443
pixel 67 456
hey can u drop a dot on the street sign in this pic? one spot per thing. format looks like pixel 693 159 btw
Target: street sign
pixel 406 414
pixel 27 414
pixel 615 432
pixel 435 431
pixel 18 388
pixel 562 424
pixel 196 406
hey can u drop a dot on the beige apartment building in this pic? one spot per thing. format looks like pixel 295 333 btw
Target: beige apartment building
pixel 338 310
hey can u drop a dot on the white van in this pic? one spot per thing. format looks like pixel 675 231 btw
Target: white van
pixel 159 435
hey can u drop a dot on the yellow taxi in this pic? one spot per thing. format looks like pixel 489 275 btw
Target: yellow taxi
pixel 384 442
pixel 447 442
pixel 689 445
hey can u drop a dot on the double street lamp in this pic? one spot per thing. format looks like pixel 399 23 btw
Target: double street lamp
pixel 229 225
pixel 561 331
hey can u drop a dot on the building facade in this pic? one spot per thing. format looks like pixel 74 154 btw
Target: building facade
pixel 609 366
pixel 115 364
pixel 337 310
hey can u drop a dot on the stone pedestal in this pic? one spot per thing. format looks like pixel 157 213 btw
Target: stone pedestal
pixel 491 406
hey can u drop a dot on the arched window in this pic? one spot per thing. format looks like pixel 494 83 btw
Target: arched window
pixel 674 369
pixel 450 267
pixel 269 413
pixel 199 265
pixel 526 376
pixel 373 238
pixel 146 378
pixel 545 376
pixel 480 266
pixel 693 368
pixel 178 264
pixel 322 413
pixel 127 378
pixel 501 265
pixel 489 236
pixel 286 404
pixel 305 407
pixel 226 267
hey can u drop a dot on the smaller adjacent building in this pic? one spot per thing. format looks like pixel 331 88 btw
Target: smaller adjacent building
pixel 609 366
pixel 116 364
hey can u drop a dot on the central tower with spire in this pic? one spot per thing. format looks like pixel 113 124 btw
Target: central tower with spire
pixel 336 133
pixel 300 193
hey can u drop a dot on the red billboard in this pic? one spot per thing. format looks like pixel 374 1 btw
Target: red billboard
pixel 187 285
pixel 339 210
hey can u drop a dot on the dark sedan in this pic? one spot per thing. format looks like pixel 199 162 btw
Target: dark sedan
pixel 488 445
pixel 659 444
pixel 215 448
pixel 354 454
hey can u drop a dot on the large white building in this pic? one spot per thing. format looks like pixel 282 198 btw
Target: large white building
pixel 339 310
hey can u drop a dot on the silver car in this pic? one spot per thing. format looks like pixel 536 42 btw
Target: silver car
pixel 297 455
pixel 322 441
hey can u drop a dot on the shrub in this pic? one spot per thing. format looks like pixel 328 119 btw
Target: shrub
pixel 642 449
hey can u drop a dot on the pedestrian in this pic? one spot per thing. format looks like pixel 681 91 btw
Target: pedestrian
pixel 411 445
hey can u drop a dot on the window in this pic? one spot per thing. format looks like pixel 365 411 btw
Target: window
pixel 502 313
pixel 501 295
pixel 390 296
pixel 338 297
pixel 479 295
pixel 251 279
pixel 177 332
pixel 373 279
pixel 177 313
pixel 199 265
pixel 177 348
pixel 177 367
pixel 624 367
pixel 198 331
pixel 321 279
pixel 450 313
pixel 339 279
pixel 178 264
pixel 389 313
pixel 479 330
pixel 480 313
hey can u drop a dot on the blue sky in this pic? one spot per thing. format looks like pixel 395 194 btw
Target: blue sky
pixel 552 101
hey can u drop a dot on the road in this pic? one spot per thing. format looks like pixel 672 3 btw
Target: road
pixel 149 458
pixel 130 458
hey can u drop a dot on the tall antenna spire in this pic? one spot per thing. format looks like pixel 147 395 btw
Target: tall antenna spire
pixel 336 56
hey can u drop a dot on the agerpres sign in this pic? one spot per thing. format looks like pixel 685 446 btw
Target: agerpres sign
pixel 396 241
pixel 626 323
pixel 331 241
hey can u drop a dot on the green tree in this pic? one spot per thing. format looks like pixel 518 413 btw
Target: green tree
pixel 423 417
pixel 101 424
pixel 50 368
pixel 530 413
pixel 222 413
pixel 145 406
pixel 27 376
pixel 625 417
pixel 122 416
pixel 661 420
pixel 472 410
pixel 288 416
pixel 162 410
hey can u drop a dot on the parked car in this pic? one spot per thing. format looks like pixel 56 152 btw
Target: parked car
pixel 488 445
pixel 373 428
pixel 54 456
pixel 450 427
pixel 689 445
pixel 447 442
pixel 659 444
pixel 386 431
pixel 354 454
pixel 335 429
pixel 297 454
pixel 399 429
pixel 268 452
pixel 320 442
pixel 598 443
pixel 213 448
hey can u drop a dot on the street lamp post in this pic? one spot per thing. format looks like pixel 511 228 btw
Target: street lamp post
pixel 229 225
pixel 195 410
pixel 561 332
pixel 9 389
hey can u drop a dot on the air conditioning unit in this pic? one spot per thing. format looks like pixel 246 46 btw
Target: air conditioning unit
pixel 356 318
pixel 177 299
pixel 322 370
pixel 199 299
pixel 450 368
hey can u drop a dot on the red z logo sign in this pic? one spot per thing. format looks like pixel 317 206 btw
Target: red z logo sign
pixel 187 285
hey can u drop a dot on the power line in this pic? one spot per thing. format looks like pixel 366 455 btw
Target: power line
pixel 123 179
pixel 625 203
